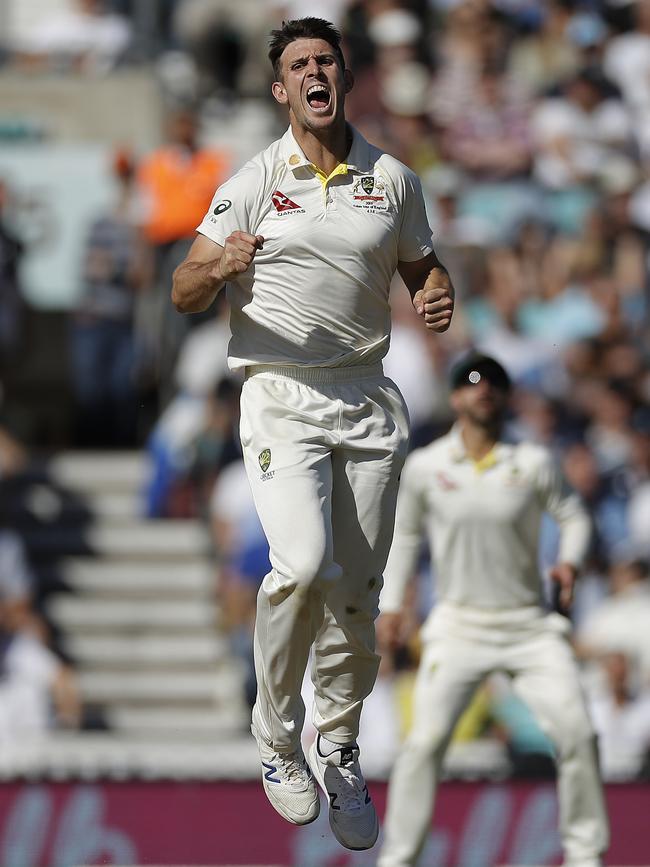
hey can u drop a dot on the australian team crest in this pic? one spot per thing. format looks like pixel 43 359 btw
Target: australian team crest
pixel 368 191
pixel 265 459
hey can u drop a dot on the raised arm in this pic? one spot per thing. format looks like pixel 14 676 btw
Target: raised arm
pixel 208 266
pixel 431 290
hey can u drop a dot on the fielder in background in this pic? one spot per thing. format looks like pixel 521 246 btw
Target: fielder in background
pixel 308 236
pixel 480 501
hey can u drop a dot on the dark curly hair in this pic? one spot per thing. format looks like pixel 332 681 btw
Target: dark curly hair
pixel 303 28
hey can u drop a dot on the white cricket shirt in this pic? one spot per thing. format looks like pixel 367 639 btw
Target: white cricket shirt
pixel 317 293
pixel 482 520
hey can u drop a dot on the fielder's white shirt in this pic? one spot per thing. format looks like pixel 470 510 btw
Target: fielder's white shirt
pixel 317 293
pixel 482 520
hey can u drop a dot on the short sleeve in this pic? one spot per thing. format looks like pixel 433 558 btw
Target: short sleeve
pixel 415 233
pixel 234 207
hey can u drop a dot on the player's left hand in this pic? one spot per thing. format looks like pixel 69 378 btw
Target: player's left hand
pixel 435 301
pixel 389 630
pixel 564 574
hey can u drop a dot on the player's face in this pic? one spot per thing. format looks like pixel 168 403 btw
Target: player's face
pixel 312 84
pixel 482 404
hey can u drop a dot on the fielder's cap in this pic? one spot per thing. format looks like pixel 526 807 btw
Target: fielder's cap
pixel 474 367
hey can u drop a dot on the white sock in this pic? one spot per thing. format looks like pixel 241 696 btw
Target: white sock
pixel 326 747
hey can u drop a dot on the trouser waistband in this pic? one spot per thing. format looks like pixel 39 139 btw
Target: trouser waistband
pixel 317 375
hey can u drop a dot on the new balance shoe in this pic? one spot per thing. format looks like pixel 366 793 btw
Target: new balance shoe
pixel 352 815
pixel 288 783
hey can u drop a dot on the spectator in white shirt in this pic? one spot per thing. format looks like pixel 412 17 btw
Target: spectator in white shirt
pixel 621 715
pixel 576 132
pixel 621 623
pixel 88 37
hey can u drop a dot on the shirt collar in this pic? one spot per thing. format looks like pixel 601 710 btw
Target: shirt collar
pixel 458 452
pixel 358 159
pixel 359 156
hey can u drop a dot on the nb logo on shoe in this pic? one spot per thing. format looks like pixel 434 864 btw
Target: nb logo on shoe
pixel 269 774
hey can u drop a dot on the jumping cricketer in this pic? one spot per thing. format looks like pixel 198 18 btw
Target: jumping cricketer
pixel 307 236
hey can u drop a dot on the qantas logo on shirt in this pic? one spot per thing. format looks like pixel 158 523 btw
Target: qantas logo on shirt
pixel 284 205
pixel 445 482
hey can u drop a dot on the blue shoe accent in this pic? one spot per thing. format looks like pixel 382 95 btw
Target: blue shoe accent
pixel 288 783
pixel 269 774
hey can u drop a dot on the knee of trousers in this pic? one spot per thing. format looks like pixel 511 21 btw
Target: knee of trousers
pixel 305 577
pixel 576 736
pixel 423 745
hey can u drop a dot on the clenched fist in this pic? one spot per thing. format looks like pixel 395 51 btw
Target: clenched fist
pixel 238 253
pixel 435 301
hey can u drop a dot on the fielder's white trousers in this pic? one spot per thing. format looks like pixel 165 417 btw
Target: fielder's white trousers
pixel 323 450
pixel 463 648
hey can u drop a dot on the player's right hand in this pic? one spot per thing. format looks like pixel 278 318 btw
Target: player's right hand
pixel 238 253
pixel 564 575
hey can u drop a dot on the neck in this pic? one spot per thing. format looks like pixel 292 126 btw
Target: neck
pixel 479 440
pixel 327 148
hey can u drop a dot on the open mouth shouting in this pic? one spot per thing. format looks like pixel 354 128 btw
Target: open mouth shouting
pixel 319 98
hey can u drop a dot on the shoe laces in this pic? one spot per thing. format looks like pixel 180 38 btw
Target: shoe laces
pixel 349 784
pixel 292 767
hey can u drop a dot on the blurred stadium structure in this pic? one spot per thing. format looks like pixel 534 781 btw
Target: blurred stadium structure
pixel 129 552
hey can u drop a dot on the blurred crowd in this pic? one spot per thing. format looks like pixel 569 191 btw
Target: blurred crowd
pixel 38 688
pixel 528 122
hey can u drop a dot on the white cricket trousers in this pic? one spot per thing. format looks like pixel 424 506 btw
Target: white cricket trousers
pixel 323 450
pixel 461 652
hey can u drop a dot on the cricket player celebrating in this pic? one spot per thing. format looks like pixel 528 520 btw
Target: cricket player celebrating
pixel 480 500
pixel 308 235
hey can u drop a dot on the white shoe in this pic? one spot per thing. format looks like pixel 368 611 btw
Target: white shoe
pixel 288 783
pixel 352 814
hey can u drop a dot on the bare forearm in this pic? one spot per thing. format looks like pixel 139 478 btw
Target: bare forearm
pixel 419 278
pixel 196 285
pixel 66 699
pixel 575 536
pixel 431 291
